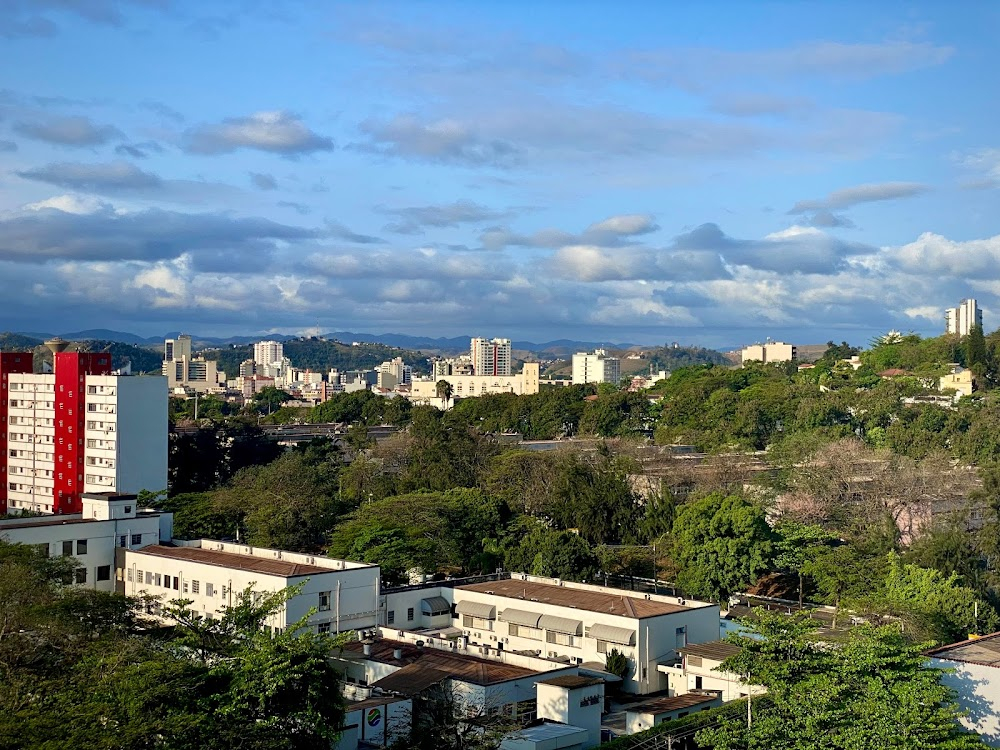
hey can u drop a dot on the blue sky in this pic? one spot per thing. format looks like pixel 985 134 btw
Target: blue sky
pixel 709 173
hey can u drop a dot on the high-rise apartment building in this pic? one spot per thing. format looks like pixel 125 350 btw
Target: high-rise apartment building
pixel 959 320
pixel 78 429
pixel 184 370
pixel 177 348
pixel 491 356
pixel 596 368
pixel 267 353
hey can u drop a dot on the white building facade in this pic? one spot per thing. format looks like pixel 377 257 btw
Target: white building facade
pixel 960 320
pixel 108 522
pixel 213 574
pixel 596 368
pixel 424 390
pixel 561 620
pixel 79 429
pixel 491 357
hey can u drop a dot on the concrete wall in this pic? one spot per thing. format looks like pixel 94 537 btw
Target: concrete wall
pixel 978 690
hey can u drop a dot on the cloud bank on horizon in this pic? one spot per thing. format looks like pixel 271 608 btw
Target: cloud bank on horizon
pixel 633 172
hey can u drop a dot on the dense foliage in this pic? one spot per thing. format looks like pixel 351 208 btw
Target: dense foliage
pixel 79 668
pixel 872 691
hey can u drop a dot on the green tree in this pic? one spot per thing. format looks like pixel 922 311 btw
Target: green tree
pixel 872 691
pixel 618 664
pixel 722 545
pixel 269 399
pixel 976 353
pixel 797 544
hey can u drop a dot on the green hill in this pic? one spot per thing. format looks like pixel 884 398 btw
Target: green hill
pixel 141 358
pixel 322 354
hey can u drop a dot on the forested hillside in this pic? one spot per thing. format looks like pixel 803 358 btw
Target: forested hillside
pixel 321 355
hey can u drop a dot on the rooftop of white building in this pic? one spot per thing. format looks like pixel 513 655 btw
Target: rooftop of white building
pixel 984 651
pixel 427 665
pixel 253 559
pixel 590 598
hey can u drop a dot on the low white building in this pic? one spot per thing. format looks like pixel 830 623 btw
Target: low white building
pixel 109 522
pixel 382 720
pixel 212 574
pixel 410 664
pixel 575 623
pixel 973 672
pixel 424 390
pixel 643 716
pixel 697 670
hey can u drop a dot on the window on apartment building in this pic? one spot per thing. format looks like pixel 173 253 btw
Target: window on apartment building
pixel 698 683
pixel 122 540
pixel 409 614
pixel 323 627
pixel 80 575
pixel 390 617
pixel 136 538
pixel 195 587
pixel 103 572
pixel 602 647
pixel 150 578
pixel 138 576
pixel 67 549
pixel 209 589
pixel 185 589
pixel 324 601
pixel 561 639
pixel 177 583
pixel 128 575
pixel 81 546
pixel 158 579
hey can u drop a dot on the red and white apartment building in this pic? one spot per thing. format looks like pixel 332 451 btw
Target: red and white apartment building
pixel 77 429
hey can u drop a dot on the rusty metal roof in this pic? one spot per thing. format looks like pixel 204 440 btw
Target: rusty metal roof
pixel 985 651
pixel 715 650
pixel 459 666
pixel 571 681
pixel 677 702
pixel 263 565
pixel 594 601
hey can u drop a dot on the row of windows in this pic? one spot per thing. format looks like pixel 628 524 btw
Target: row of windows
pixel 32 387
pixel 150 578
pixel 30 437
pixel 30 403
pixel 100 480
pixel 39 421
pixel 38 455
pixel 391 615
pixel 108 463
pixel 105 390
pixel 103 574
pixel 97 425
pixel 102 408
pixel 31 472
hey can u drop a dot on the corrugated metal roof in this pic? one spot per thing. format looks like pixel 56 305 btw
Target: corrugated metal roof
pixel 716 650
pixel 985 651
pixel 677 702
pixel 411 679
pixel 464 667
pixel 477 609
pixel 612 633
pixel 595 601
pixel 263 565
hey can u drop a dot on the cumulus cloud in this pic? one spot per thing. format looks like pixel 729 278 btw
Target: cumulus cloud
pixel 278 132
pixel 67 131
pixel 413 219
pixel 70 204
pixel 869 193
pixel 829 220
pixel 444 141
pixel 99 177
pixel 611 232
pixel 97 232
pixel 263 181
pixel 936 256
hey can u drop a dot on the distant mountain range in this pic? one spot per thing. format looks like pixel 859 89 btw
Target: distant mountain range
pixel 557 348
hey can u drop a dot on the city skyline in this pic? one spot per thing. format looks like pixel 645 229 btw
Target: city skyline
pixel 637 173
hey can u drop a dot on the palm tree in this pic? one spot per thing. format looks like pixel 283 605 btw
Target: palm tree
pixel 444 391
